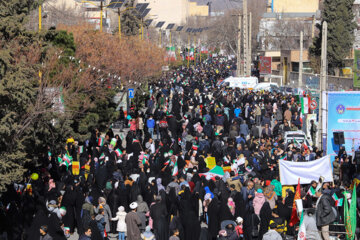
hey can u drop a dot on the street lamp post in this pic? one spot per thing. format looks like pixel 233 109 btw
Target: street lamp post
pixel 101 15
pixel 119 22
pixel 39 17
pixel 159 25
pixel 115 3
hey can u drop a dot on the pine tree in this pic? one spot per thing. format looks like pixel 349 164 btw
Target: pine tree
pixel 17 86
pixel 340 18
pixel 130 22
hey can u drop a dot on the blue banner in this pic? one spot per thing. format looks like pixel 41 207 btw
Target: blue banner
pixel 343 116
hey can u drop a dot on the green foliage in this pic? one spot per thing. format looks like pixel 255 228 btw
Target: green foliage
pixel 17 87
pixel 63 40
pixel 340 18
pixel 100 116
pixel 27 130
pixel 130 23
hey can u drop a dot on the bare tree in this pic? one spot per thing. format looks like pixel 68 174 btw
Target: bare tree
pixel 224 29
pixel 284 34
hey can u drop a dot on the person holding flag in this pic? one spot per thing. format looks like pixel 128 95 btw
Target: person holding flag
pixel 324 212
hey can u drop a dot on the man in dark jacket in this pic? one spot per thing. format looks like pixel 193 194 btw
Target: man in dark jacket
pixel 244 129
pixel 254 131
pixel 86 235
pixel 324 213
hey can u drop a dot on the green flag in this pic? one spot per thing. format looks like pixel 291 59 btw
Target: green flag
pixel 350 216
pixel 296 143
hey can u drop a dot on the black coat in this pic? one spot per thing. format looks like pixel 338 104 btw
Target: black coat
pixel 158 213
pixel 324 212
pixel 69 201
pixel 213 214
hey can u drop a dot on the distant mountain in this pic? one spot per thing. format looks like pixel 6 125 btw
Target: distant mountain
pixel 220 5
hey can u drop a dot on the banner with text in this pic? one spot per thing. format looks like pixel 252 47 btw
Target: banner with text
pixel 343 116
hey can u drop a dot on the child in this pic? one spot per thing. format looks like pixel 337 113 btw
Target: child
pixel 100 221
pixel 239 227
pixel 175 235
pixel 121 225
pixel 147 235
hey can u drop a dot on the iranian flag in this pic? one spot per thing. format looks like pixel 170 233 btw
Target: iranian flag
pixel 296 143
pixel 167 162
pixel 118 152
pixel 338 201
pixel 101 141
pixel 283 158
pixel 311 191
pixel 67 158
pixel 170 54
pixel 81 149
pixel 217 171
pixel 305 105
pixel 226 160
pixel 195 147
pixel 190 54
pixel 65 161
pixel 102 156
pixel 302 229
pixel 145 159
pixel 175 170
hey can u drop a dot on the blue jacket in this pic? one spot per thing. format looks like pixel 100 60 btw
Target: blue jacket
pixel 237 112
pixel 245 193
pixel 150 123
pixel 207 118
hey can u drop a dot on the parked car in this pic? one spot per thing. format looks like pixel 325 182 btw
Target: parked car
pixel 265 86
pixel 297 137
pixel 286 90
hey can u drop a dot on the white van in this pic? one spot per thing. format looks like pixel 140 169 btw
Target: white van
pixel 240 82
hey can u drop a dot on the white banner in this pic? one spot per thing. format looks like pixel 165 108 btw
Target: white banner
pixel 290 172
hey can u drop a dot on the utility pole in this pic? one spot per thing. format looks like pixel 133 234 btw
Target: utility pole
pixel 188 60
pixel 245 38
pixel 101 15
pixel 323 83
pixel 249 47
pixel 119 22
pixel 300 83
pixel 238 54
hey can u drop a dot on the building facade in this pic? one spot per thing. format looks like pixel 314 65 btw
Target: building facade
pixel 293 6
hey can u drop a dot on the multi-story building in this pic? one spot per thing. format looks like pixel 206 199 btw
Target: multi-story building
pixel 279 32
pixel 293 6
pixel 176 11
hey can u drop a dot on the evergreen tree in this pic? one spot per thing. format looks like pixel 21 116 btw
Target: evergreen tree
pixel 29 126
pixel 130 22
pixel 340 18
pixel 17 86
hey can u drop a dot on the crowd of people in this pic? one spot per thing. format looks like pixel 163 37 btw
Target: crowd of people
pixel 200 161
